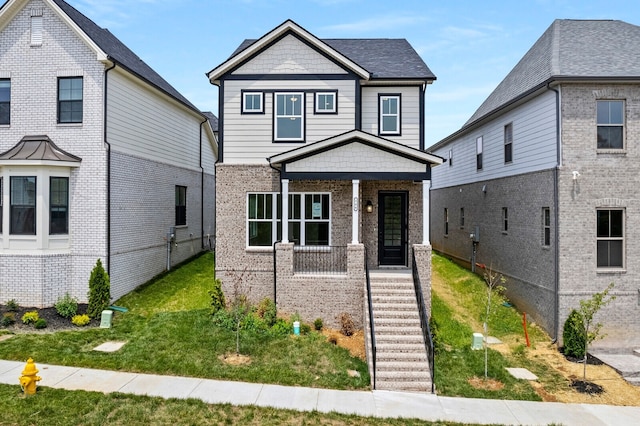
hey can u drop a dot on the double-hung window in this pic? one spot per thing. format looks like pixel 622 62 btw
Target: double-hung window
pixel 508 143
pixel 479 153
pixel 181 205
pixel 23 205
pixel 610 119
pixel 58 205
pixel 289 117
pixel 5 101
pixel 262 220
pixel 610 238
pixel 389 114
pixel 326 103
pixel 252 103
pixel 70 100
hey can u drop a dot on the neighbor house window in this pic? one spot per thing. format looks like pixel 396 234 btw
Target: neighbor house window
pixel 461 217
pixel 389 114
pixel 508 143
pixel 70 100
pixel 505 219
pixel 252 103
pixel 610 124
pixel 58 205
pixel 610 238
pixel 446 221
pixel 181 205
pixel 23 205
pixel 5 101
pixel 289 120
pixel 546 226
pixel 479 153
pixel 326 103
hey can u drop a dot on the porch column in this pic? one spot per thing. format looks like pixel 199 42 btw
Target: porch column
pixel 426 187
pixel 356 209
pixel 285 210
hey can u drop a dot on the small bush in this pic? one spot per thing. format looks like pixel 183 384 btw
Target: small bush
pixel 267 311
pixel 8 318
pixel 66 306
pixel 80 320
pixel 99 291
pixel 30 317
pixel 40 323
pixel 281 328
pixel 217 297
pixel 317 324
pixel 305 328
pixel 12 305
pixel 347 327
pixel 573 335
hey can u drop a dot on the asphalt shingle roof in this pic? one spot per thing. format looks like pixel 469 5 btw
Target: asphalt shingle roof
pixel 120 53
pixel 382 57
pixel 570 49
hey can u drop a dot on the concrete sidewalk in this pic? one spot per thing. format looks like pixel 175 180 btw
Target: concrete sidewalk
pixel 375 404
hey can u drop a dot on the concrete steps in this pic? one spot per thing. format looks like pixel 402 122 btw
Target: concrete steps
pixel 401 361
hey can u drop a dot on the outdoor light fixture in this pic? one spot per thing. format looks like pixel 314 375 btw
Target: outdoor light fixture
pixel 369 207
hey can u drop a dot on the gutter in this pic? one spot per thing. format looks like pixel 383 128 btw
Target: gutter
pixel 106 141
pixel 275 270
pixel 201 189
pixel 556 190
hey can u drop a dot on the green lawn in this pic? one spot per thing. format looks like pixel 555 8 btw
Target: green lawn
pixel 169 330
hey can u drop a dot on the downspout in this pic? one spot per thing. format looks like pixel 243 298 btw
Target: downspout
pixel 108 167
pixel 556 191
pixel 201 190
pixel 275 272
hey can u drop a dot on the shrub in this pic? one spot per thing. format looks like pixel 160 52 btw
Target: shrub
pixel 40 323
pixel 66 306
pixel 280 328
pixel 217 297
pixel 80 320
pixel 99 291
pixel 347 327
pixel 573 335
pixel 317 324
pixel 30 317
pixel 305 328
pixel 267 311
pixel 8 318
pixel 12 305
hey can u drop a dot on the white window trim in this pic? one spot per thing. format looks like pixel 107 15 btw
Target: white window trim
pixel 246 110
pixel 384 97
pixel 332 110
pixel 276 116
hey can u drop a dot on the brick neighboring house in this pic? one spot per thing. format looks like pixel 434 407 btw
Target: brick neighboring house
pixel 100 157
pixel 545 175
pixel 331 132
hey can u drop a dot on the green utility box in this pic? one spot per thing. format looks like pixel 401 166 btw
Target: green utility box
pixel 105 319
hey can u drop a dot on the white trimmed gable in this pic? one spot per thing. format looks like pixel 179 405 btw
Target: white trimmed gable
pixel 290 56
pixel 356 157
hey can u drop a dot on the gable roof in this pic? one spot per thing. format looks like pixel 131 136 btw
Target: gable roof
pixel 570 49
pixel 369 58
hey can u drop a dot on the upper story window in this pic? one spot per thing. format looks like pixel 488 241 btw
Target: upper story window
pixel 610 238
pixel 289 117
pixel 450 157
pixel 508 143
pixel 479 153
pixel 36 27
pixel 70 100
pixel 252 103
pixel 181 205
pixel 610 122
pixel 326 103
pixel 58 205
pixel 5 101
pixel 389 114
pixel 23 205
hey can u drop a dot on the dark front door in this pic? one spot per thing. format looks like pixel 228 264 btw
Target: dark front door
pixel 392 225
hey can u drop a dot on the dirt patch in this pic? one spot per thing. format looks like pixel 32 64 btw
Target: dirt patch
pixel 486 384
pixel 235 359
pixel 55 322
pixel 354 343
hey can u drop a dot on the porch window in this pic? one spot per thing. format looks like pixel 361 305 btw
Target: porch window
pixel 262 222
pixel 289 114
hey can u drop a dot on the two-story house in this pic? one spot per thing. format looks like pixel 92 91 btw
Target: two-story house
pixel 541 183
pixel 321 165
pixel 100 158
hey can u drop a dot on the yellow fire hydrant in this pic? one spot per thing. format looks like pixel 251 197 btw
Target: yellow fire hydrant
pixel 28 380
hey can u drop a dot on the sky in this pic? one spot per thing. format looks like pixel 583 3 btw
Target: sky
pixel 469 45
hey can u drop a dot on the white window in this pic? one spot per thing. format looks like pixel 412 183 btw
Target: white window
pixel 289 117
pixel 326 103
pixel 389 114
pixel 252 103
pixel 610 124
pixel 610 238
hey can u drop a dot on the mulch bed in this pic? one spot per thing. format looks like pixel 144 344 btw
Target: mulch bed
pixel 55 322
pixel 591 360
pixel 584 386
